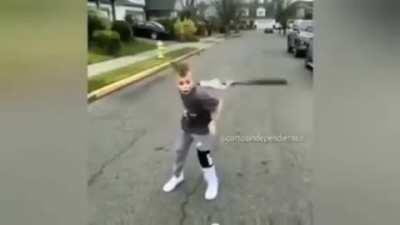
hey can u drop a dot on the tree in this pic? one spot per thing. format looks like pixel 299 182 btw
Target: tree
pixel 201 10
pixel 282 16
pixel 188 3
pixel 228 12
pixel 98 4
pixel 189 8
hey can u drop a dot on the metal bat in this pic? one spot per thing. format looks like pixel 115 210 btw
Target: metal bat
pixel 218 84
pixel 273 81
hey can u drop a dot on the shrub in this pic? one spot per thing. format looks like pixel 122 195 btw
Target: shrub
pixel 123 29
pixel 210 28
pixel 192 38
pixel 222 29
pixel 213 24
pixel 96 22
pixel 108 40
pixel 202 29
pixel 184 29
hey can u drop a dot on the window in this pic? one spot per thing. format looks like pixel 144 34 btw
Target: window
pixel 260 12
pixel 139 2
pixel 174 14
pixel 105 12
pixel 136 16
pixel 309 29
pixel 245 12
pixel 261 1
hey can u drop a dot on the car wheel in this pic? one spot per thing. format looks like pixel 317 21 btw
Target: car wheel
pixel 296 52
pixel 289 48
pixel 154 36
pixel 308 66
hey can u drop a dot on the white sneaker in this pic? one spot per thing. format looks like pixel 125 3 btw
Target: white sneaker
pixel 173 183
pixel 212 183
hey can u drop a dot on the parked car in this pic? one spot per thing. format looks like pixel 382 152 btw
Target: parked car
pixel 243 25
pixel 289 25
pixel 269 30
pixel 309 61
pixel 298 39
pixel 265 25
pixel 277 26
pixel 151 29
pixel 270 26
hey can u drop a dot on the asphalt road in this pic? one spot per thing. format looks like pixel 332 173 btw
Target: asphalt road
pixel 132 133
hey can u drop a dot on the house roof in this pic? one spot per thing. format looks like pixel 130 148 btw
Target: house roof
pixel 120 2
pixel 160 5
pixel 302 2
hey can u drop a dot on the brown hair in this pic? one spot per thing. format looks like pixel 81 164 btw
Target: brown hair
pixel 180 68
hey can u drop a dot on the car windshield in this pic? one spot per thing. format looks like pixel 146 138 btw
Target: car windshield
pixel 304 25
pixel 309 29
pixel 152 23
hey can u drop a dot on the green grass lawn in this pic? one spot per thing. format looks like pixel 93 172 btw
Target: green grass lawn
pixel 107 78
pixel 97 55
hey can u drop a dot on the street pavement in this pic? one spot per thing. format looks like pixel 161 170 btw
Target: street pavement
pixel 132 133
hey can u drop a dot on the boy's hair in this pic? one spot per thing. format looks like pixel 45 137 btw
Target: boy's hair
pixel 180 68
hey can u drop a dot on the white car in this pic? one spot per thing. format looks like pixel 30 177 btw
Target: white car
pixel 266 25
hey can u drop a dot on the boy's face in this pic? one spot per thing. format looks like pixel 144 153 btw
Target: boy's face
pixel 185 84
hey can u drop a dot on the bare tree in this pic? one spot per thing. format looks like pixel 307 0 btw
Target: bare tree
pixel 98 4
pixel 286 12
pixel 228 12
pixel 201 10
pixel 189 8
pixel 188 3
pixel 282 17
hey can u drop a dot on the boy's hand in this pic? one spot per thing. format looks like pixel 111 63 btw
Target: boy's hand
pixel 216 83
pixel 227 83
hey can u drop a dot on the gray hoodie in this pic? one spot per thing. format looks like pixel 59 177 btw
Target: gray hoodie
pixel 200 103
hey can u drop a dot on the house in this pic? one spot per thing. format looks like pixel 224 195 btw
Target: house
pixel 161 9
pixel 123 8
pixel 303 9
pixel 257 12
pixel 210 11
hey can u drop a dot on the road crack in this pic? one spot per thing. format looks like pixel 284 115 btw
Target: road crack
pixel 186 201
pixel 115 157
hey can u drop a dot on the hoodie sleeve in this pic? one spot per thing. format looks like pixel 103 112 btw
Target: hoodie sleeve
pixel 209 101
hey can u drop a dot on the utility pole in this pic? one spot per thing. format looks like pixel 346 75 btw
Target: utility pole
pixel 113 9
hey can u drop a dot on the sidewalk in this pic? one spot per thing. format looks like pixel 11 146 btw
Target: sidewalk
pixel 102 67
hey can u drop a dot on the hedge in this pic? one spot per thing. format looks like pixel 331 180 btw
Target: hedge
pixel 108 40
pixel 185 29
pixel 123 29
pixel 95 22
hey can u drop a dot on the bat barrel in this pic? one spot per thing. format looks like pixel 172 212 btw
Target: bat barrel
pixel 262 82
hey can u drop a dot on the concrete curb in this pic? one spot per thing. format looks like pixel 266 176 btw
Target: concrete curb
pixel 109 89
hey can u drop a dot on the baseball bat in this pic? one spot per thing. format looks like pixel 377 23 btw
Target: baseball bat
pixel 271 81
pixel 218 84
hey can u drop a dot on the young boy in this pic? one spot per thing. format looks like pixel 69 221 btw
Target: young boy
pixel 197 125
